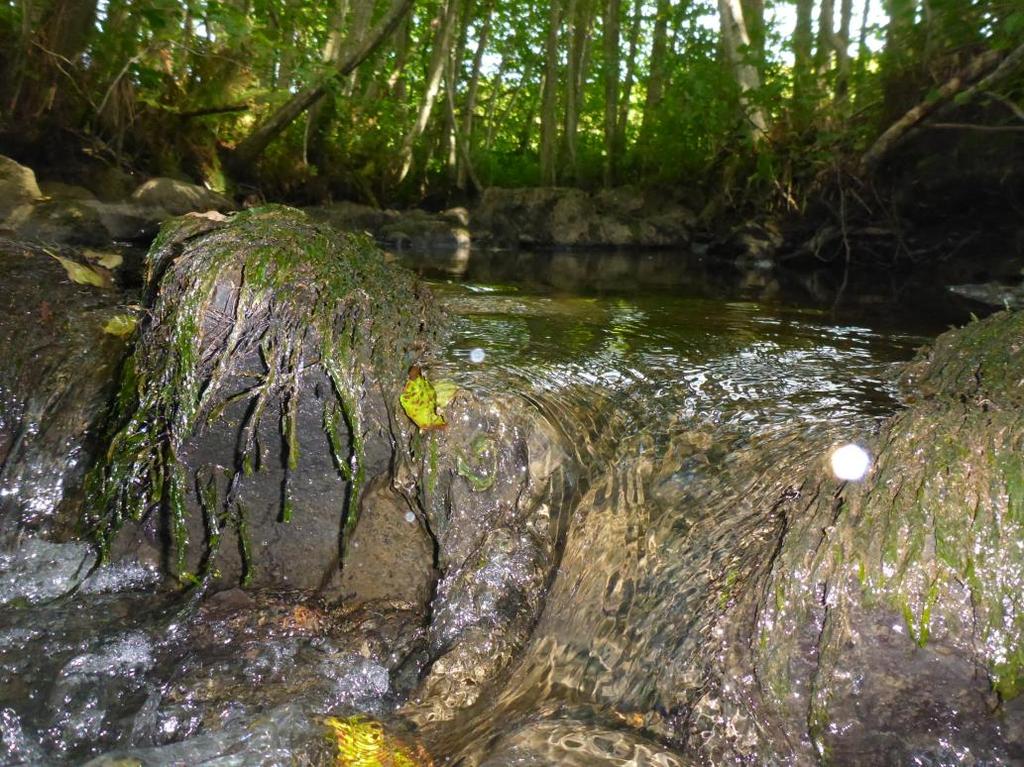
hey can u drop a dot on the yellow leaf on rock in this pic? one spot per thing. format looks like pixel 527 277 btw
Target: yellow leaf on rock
pixel 419 400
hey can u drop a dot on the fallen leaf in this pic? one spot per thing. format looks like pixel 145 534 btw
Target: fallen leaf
pixel 213 215
pixel 80 273
pixel 444 391
pixel 104 259
pixel 120 325
pixel 419 400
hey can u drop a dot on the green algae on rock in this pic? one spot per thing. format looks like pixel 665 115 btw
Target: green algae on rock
pixel 883 600
pixel 261 326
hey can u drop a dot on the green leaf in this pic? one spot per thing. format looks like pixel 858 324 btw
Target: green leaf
pixel 419 400
pixel 120 325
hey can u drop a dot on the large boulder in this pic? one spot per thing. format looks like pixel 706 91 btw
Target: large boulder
pixel 567 218
pixel 57 377
pixel 258 440
pixel 259 399
pixel 17 186
pixel 885 621
pixel 178 197
pixel 60 220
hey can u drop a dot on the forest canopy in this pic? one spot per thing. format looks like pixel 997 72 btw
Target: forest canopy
pixel 384 100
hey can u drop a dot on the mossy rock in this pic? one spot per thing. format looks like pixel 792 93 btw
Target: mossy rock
pixel 259 399
pixel 890 617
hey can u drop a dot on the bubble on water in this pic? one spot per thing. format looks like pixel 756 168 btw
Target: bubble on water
pixel 410 517
pixel 477 355
pixel 850 462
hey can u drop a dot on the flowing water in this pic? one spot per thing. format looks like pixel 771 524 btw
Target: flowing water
pixel 679 394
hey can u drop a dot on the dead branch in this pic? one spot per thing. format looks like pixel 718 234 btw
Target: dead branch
pixel 1001 66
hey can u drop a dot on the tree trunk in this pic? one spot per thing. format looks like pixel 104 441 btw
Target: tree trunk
pixel 465 164
pixel 622 121
pixel 471 93
pixel 396 80
pixel 252 147
pixel 734 39
pixel 453 68
pixel 359 22
pixel 897 59
pixel 59 38
pixel 581 16
pixel 549 100
pixel 610 39
pixel 447 15
pixel 841 42
pixel 656 77
pixel 574 46
pixel 803 81
pixel 320 114
pixel 823 46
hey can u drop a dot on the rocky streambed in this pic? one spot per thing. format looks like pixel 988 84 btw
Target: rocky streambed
pixel 618 539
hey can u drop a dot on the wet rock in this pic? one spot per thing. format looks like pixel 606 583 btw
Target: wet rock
pixel 179 197
pixel 564 217
pixel 69 221
pixel 55 384
pixel 997 294
pixel 17 186
pixel 752 245
pixel 887 624
pixel 490 487
pixel 248 652
pixel 391 555
pixel 259 400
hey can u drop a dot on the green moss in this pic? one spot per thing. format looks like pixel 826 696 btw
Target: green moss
pixel 306 298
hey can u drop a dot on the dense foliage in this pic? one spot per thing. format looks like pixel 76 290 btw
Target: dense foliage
pixel 407 99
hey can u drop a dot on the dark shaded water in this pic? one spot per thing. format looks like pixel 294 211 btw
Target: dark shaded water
pixel 678 389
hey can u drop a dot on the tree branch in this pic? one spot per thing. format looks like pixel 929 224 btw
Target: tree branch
pixel 959 84
pixel 252 147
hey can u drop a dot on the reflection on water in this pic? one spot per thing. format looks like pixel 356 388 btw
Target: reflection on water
pixel 686 400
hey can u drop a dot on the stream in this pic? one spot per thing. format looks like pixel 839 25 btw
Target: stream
pixel 680 395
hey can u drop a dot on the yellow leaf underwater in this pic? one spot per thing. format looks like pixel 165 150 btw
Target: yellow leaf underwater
pixel 120 325
pixel 363 743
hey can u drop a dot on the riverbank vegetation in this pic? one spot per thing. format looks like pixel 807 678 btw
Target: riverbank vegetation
pixel 421 101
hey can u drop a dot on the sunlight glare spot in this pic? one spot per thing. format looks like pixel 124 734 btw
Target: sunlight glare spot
pixel 850 462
